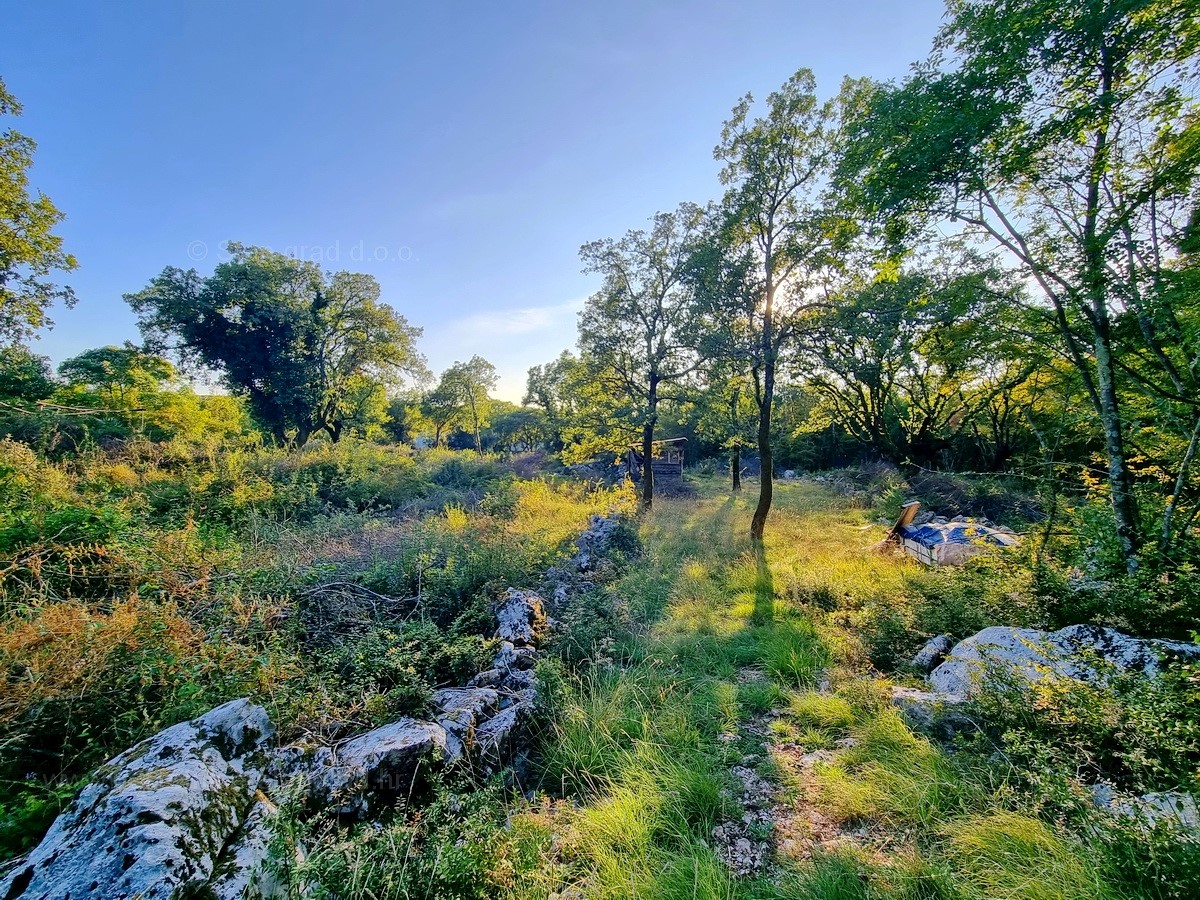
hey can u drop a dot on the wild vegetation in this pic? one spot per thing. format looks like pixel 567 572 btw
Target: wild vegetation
pixel 976 287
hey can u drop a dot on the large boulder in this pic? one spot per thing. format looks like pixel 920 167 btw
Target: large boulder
pixel 521 618
pixel 242 870
pixel 939 715
pixel 154 820
pixel 1026 656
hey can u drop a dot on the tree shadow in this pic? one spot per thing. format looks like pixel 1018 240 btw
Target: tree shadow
pixel 764 588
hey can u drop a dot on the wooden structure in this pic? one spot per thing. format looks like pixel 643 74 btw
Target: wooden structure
pixel 666 464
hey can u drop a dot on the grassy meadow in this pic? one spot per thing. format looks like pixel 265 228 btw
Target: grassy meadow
pixel 738 687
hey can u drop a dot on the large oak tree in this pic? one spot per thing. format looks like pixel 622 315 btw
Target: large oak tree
pixel 309 350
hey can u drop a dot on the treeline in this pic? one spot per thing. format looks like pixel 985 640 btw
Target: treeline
pixel 991 264
pixel 988 266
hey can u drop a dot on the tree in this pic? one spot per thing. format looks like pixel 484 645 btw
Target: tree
pixel 778 232
pixel 310 351
pixel 440 406
pixel 119 375
pixel 904 359
pixel 549 387
pixel 29 250
pixel 1066 133
pixel 405 419
pixel 24 376
pixel 723 411
pixel 517 428
pixel 462 397
pixel 635 329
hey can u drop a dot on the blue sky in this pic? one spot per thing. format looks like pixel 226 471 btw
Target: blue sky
pixel 459 152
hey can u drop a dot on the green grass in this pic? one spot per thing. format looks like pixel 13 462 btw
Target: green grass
pixel 733 656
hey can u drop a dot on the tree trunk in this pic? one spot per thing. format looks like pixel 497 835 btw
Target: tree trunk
pixel 766 485
pixel 648 443
pixel 1120 482
pixel 735 457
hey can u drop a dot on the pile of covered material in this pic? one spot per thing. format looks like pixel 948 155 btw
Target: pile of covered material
pixel 938 541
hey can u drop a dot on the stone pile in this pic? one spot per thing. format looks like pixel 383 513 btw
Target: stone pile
pixel 188 811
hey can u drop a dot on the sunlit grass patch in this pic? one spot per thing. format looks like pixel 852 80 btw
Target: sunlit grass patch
pixel 1006 856
pixel 825 711
pixel 792 652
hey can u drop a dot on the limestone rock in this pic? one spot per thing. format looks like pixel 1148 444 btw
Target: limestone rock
pixel 932 654
pixel 940 715
pixel 385 763
pixel 1172 808
pixel 521 618
pixel 461 709
pixel 1026 655
pixel 242 869
pixel 153 822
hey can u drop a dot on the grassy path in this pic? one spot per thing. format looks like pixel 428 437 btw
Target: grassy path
pixel 742 749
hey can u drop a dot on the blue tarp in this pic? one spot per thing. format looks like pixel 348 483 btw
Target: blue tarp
pixel 931 535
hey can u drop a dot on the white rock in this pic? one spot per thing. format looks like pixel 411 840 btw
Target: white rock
pixel 153 822
pixel 242 869
pixel 385 762
pixel 1026 655
pixel 932 654
pixel 520 618
pixel 1172 807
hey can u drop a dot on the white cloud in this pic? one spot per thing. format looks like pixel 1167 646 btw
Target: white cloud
pixel 512 339
pixel 526 320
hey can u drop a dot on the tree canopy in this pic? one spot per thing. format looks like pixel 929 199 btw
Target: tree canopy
pixel 310 351
pixel 29 248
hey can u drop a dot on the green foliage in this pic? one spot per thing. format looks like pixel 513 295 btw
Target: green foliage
pixel 309 352
pixel 1137 733
pixel 1006 856
pixel 29 249
pixel 458 846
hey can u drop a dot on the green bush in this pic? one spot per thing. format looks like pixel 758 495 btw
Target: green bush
pixel 1141 734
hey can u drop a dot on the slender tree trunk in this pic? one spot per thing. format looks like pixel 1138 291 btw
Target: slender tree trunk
pixel 1166 538
pixel 766 485
pixel 735 456
pixel 648 443
pixel 1120 482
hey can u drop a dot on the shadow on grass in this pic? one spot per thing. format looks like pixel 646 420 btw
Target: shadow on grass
pixel 764 588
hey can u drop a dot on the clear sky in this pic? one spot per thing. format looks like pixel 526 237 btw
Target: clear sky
pixel 459 152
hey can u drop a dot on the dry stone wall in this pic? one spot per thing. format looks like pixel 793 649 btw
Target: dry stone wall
pixel 188 811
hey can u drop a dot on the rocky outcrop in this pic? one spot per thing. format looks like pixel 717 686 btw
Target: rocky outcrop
pixel 940 715
pixel 592 545
pixel 1026 656
pixel 154 820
